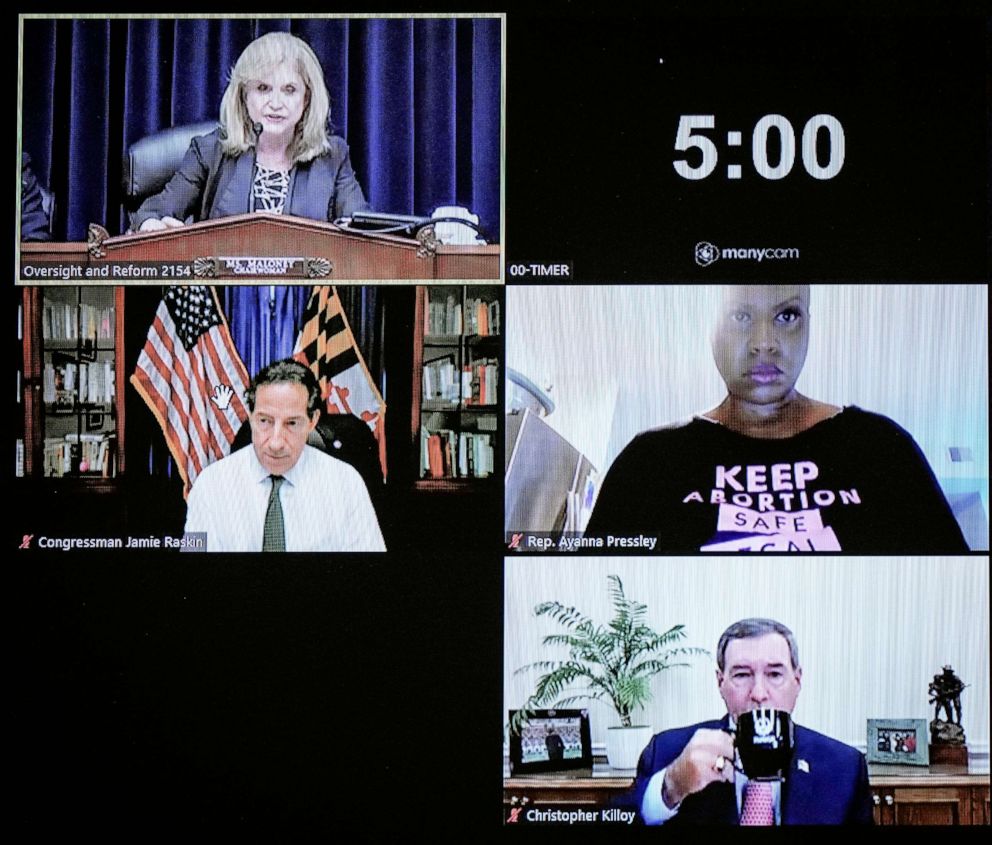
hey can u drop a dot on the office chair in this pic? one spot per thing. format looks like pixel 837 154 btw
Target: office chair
pixel 151 162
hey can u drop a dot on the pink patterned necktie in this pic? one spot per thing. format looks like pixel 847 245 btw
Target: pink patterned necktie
pixel 757 804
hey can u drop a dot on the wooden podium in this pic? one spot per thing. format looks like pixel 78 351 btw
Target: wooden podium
pixel 258 248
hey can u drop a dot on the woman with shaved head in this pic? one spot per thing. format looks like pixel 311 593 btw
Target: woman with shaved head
pixel 769 469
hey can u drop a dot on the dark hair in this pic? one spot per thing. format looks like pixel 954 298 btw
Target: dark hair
pixel 287 371
pixel 748 628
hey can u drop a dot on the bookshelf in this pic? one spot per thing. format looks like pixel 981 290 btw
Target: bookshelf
pixel 457 385
pixel 70 385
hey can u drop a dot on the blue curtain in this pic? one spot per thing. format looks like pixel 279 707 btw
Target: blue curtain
pixel 418 101
pixel 266 320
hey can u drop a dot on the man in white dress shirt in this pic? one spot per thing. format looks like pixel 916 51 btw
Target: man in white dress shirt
pixel 283 495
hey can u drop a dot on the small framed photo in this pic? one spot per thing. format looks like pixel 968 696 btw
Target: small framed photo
pixel 551 741
pixel 898 741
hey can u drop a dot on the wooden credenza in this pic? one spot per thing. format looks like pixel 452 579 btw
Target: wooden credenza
pixel 902 795
pixel 938 795
pixel 587 788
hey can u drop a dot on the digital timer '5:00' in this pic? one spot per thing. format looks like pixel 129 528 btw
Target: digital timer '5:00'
pixel 686 139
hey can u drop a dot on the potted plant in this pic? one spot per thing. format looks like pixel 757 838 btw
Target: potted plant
pixel 616 662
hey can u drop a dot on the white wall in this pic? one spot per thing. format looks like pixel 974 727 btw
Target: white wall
pixel 625 358
pixel 871 632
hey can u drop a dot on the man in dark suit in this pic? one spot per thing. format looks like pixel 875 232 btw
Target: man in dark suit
pixel 555 744
pixel 686 775
pixel 35 225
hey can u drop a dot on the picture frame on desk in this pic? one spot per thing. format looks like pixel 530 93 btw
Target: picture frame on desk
pixel 898 741
pixel 551 741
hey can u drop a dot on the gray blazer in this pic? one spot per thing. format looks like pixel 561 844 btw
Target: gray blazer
pixel 209 184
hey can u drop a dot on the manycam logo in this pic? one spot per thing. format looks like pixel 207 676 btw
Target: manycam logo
pixel 707 253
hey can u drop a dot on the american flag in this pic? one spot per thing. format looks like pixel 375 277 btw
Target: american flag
pixel 327 346
pixel 193 379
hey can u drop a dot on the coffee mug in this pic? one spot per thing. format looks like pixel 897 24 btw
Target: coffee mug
pixel 765 740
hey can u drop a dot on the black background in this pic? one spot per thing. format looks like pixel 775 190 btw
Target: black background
pixel 593 118
pixel 159 693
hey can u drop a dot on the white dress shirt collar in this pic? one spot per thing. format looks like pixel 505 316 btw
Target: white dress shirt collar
pixel 259 473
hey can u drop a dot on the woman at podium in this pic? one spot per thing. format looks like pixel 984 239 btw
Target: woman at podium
pixel 272 151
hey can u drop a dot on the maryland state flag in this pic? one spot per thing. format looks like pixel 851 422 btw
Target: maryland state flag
pixel 327 346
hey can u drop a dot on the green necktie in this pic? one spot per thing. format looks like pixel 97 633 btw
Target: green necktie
pixel 274 533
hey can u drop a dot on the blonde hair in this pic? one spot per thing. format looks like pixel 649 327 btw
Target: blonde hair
pixel 310 139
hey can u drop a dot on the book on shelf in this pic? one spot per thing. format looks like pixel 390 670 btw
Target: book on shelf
pixel 63 321
pixel 475 455
pixel 451 454
pixel 87 382
pixel 480 381
pixel 440 384
pixel 476 384
pixel 58 321
pixel 95 453
pixel 96 322
pixel 439 449
pixel 482 318
pixel 443 317
pixel 450 317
